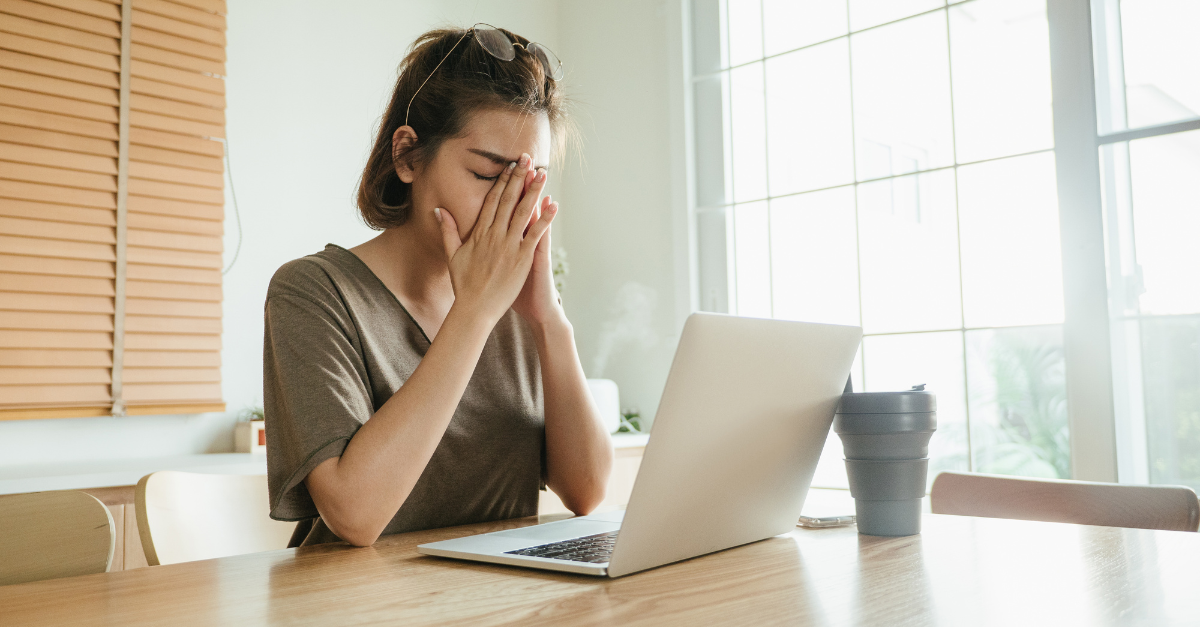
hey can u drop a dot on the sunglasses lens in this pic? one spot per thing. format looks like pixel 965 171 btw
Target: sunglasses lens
pixel 549 61
pixel 496 43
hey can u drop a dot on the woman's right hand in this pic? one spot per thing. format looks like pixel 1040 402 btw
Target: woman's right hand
pixel 489 269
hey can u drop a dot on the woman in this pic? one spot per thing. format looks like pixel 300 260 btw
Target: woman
pixel 429 377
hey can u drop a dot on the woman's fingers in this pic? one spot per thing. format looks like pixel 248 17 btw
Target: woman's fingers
pixel 487 213
pixel 450 239
pixel 512 192
pixel 524 211
pixel 539 228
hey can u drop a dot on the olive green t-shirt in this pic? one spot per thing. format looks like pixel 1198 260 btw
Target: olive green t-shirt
pixel 337 345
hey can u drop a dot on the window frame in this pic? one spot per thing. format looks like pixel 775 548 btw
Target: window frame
pixel 1103 442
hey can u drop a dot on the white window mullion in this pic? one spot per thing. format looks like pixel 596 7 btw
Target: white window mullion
pixel 1085 291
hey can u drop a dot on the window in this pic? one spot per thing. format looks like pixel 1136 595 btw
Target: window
pixel 110 207
pixel 1148 110
pixel 893 165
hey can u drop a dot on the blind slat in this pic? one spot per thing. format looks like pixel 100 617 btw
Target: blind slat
pixel 177 60
pixel 57 141
pixel 60 52
pixel 182 78
pixel 171 224
pixel 22 264
pixel 182 13
pixel 212 6
pixel 170 174
pixel 156 342
pixel 58 177
pixel 58 195
pixel 179 326
pixel 173 359
pixel 57 302
pixel 173 308
pixel 66 285
pixel 47 229
pixel 159 392
pixel 62 17
pixel 48 67
pixel 58 87
pixel 175 208
pixel 178 28
pixel 178 44
pixel 55 376
pixel 173 141
pixel 57 158
pixel 154 121
pixel 166 257
pixel 148 154
pixel 175 191
pixel 56 395
pixel 62 250
pixel 175 109
pixel 106 10
pixel 143 272
pixel 174 291
pixel 31 358
pixel 55 339
pixel 58 34
pixel 176 241
pixel 58 213
pixel 173 375
pixel 56 123
pixel 16 320
pixel 57 104
pixel 175 93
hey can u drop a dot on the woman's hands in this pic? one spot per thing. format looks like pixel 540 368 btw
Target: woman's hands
pixel 538 301
pixel 492 267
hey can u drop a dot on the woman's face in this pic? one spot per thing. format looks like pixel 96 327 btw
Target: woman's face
pixel 465 167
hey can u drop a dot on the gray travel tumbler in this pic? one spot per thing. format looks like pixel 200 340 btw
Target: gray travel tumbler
pixel 885 436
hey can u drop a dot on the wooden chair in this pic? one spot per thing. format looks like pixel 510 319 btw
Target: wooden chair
pixel 184 516
pixel 1170 508
pixel 54 534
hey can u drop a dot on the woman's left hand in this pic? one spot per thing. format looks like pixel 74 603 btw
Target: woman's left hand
pixel 538 302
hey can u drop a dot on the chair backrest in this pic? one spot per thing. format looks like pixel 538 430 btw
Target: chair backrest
pixel 54 534
pixel 184 516
pixel 1171 508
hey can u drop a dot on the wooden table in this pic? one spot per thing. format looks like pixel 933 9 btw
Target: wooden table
pixel 960 571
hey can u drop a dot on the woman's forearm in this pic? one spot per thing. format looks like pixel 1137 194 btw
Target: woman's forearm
pixel 578 450
pixel 358 493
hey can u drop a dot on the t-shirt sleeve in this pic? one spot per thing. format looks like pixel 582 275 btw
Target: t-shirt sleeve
pixel 315 392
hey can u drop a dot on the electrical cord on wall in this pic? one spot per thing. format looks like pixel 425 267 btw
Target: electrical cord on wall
pixel 236 214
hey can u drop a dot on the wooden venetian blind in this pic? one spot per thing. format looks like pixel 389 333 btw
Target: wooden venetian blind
pixel 111 206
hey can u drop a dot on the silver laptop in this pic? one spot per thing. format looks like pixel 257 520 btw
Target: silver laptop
pixel 743 418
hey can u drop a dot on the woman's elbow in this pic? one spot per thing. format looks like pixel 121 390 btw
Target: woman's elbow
pixel 357 533
pixel 585 499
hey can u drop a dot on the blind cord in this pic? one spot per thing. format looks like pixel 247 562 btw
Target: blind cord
pixel 236 214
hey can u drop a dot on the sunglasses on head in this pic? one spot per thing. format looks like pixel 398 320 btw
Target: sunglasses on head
pixel 496 43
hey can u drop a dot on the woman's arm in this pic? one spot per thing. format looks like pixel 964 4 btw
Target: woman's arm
pixel 358 493
pixel 579 453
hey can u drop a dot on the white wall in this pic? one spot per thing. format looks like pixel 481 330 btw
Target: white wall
pixel 623 222
pixel 307 84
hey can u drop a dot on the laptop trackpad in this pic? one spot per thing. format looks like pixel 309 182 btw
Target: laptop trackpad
pixel 561 530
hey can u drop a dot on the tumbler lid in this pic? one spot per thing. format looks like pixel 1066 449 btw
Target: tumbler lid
pixel 916 400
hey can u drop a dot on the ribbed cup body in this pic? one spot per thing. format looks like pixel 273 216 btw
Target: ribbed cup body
pixel 885 437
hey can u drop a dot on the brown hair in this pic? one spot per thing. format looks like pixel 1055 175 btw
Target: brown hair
pixel 468 80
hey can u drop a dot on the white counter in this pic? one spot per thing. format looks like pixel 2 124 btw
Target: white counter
pixel 118 472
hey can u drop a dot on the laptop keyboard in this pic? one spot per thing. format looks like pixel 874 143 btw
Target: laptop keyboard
pixel 590 549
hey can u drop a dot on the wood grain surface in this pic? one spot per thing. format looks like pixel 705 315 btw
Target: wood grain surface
pixel 959 571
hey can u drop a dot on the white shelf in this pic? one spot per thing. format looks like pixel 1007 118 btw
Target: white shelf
pixel 630 440
pixel 119 472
